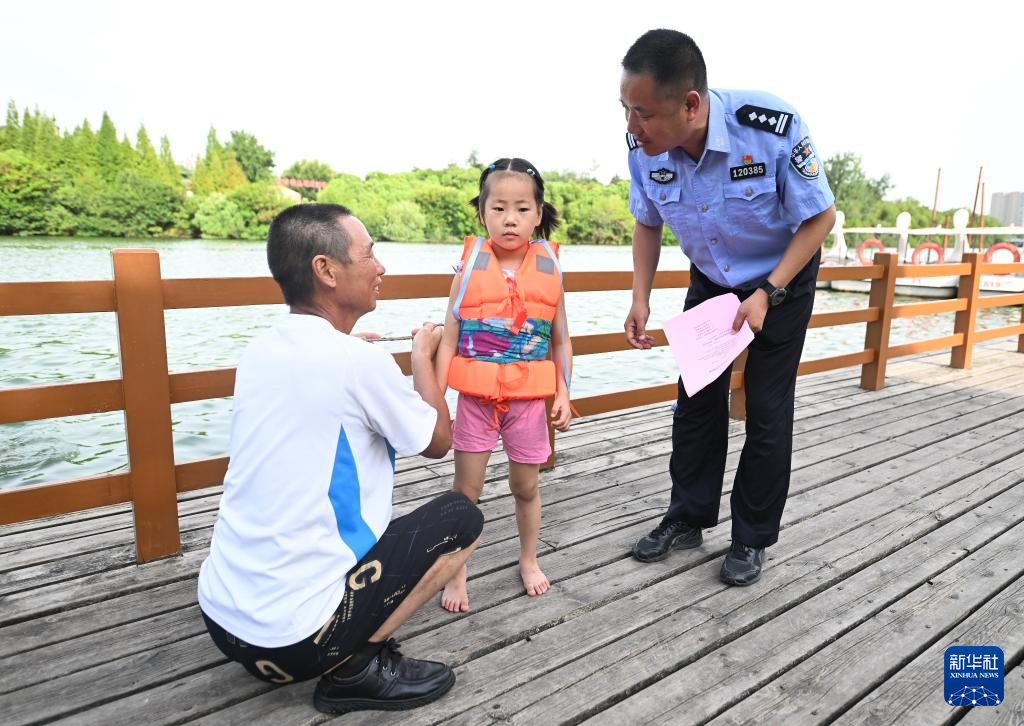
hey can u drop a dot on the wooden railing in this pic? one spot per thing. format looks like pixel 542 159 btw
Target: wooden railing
pixel 138 295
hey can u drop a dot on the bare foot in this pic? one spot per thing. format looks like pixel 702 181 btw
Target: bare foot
pixel 535 581
pixel 455 598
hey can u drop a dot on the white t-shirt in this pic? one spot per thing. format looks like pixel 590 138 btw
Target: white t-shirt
pixel 318 416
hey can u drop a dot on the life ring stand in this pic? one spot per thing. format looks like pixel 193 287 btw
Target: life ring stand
pixel 865 246
pixel 925 247
pixel 1012 249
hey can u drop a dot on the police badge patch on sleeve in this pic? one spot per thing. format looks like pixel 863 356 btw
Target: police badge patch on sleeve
pixel 803 159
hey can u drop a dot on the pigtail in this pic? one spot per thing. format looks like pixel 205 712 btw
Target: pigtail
pixel 548 220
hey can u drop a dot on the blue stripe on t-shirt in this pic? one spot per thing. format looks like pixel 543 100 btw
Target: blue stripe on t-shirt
pixel 391 453
pixel 344 495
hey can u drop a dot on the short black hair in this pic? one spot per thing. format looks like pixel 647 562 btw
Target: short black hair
pixel 548 214
pixel 671 58
pixel 297 235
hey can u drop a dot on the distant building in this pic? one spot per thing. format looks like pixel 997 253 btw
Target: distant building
pixel 1008 207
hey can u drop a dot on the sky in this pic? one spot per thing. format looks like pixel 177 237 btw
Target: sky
pixel 390 86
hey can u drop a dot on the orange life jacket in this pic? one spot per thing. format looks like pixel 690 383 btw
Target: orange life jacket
pixel 485 293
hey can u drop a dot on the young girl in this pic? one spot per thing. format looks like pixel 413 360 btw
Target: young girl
pixel 505 349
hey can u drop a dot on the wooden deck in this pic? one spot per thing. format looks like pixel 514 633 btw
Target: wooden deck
pixel 904 534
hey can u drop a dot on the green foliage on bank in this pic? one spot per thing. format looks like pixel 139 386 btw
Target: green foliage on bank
pixel 93 183
pixel 87 183
pixel 433 205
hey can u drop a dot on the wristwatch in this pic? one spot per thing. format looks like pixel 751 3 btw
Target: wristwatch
pixel 775 294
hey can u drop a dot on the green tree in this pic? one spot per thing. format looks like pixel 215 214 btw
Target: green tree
pixel 80 197
pixel 218 171
pixel 258 204
pixel 360 197
pixel 128 158
pixel 11 136
pixel 255 160
pixel 147 163
pixel 599 220
pixel 213 145
pixel 27 137
pixel 857 195
pixel 309 169
pixel 27 191
pixel 447 214
pixel 171 172
pixel 218 218
pixel 403 221
pixel 46 146
pixel 80 157
pixel 455 176
pixel 108 150
pixel 136 205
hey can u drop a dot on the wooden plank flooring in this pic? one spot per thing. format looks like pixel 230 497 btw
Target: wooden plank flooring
pixel 903 535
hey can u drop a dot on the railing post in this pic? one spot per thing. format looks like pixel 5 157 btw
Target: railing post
pixel 147 402
pixel 968 288
pixel 876 336
pixel 738 396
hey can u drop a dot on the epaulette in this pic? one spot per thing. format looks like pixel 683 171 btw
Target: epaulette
pixel 765 119
pixel 631 141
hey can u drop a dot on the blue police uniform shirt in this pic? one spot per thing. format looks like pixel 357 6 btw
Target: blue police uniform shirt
pixel 735 210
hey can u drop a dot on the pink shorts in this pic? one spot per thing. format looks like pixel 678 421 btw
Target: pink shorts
pixel 523 429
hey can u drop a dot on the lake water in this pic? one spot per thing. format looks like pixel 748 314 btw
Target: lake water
pixel 42 349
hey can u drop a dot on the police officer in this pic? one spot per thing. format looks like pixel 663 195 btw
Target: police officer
pixel 739 182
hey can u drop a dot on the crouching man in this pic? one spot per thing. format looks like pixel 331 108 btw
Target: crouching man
pixel 307 575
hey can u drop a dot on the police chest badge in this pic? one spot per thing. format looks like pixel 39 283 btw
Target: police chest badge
pixel 748 170
pixel 663 176
pixel 804 160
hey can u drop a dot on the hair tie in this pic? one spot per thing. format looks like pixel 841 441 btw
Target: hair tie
pixel 490 167
pixel 531 171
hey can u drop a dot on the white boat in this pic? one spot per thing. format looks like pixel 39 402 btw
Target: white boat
pixel 931 287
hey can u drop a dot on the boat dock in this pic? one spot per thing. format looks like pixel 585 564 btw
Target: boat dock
pixel 904 534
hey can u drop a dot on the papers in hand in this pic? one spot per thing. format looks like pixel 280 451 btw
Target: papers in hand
pixel 703 342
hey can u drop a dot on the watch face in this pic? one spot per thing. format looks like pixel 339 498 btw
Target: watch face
pixel 778 295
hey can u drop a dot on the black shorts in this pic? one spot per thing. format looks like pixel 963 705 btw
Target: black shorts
pixel 375 586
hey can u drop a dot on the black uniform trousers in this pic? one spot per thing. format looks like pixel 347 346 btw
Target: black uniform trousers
pixel 700 425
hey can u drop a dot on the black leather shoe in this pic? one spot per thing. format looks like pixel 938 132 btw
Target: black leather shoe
pixel 389 682
pixel 742 566
pixel 664 538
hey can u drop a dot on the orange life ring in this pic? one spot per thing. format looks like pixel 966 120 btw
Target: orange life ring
pixel 1012 249
pixel 864 246
pixel 924 247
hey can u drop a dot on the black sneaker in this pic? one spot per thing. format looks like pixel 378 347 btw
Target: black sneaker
pixel 742 566
pixel 666 537
pixel 389 682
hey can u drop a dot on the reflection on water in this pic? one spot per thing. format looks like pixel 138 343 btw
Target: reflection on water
pixel 44 349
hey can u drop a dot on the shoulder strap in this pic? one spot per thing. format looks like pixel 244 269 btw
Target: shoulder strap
pixel 565 324
pixel 551 252
pixel 467 270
